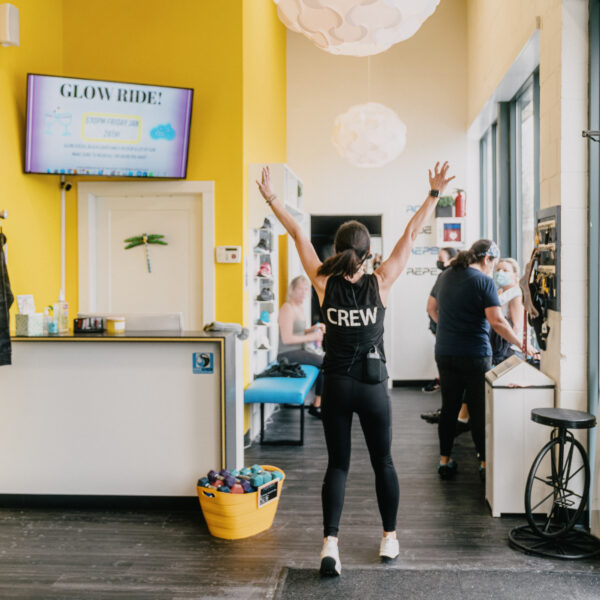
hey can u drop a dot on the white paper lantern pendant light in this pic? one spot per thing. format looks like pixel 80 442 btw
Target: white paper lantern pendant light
pixel 369 135
pixel 355 27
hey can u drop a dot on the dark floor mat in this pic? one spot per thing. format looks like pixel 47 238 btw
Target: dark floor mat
pixel 382 583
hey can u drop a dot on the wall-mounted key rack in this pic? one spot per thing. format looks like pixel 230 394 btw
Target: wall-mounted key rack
pixel 547 269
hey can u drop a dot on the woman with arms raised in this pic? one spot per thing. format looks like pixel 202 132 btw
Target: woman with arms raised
pixel 353 307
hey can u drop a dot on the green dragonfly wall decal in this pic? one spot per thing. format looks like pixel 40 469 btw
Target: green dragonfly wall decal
pixel 146 240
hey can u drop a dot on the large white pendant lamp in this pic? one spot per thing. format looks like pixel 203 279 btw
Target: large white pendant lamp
pixel 369 135
pixel 355 27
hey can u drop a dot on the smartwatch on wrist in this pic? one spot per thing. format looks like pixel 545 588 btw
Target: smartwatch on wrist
pixel 434 193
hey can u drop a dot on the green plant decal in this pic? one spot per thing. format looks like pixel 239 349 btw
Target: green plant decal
pixel 145 239
pixel 446 201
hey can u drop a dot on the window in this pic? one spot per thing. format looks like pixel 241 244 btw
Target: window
pixel 515 178
pixel 526 171
pixel 488 204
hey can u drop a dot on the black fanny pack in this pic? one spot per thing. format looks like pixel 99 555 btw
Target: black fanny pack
pixel 370 368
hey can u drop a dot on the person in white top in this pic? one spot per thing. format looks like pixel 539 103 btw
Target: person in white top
pixel 510 295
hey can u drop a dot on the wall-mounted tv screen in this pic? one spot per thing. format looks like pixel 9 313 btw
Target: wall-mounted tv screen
pixel 92 127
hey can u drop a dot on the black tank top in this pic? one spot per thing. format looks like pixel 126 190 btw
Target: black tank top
pixel 353 315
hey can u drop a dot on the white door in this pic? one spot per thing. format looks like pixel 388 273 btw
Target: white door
pixel 170 278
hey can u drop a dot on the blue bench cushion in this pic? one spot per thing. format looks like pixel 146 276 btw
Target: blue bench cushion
pixel 281 390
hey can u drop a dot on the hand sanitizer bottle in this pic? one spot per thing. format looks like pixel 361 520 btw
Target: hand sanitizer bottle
pixel 61 313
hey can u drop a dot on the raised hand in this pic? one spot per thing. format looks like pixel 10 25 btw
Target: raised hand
pixel 264 185
pixel 438 180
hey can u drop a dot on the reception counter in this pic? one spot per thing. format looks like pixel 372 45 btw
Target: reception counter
pixel 135 414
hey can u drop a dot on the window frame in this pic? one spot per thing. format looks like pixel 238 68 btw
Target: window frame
pixel 594 235
pixel 508 170
pixel 488 210
pixel 529 93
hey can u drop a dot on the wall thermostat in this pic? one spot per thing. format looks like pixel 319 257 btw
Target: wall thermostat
pixel 229 254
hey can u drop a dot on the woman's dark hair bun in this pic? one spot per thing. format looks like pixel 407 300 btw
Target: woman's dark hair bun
pixel 475 254
pixel 351 244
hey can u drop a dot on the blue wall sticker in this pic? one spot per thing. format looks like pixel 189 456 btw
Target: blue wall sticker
pixel 203 362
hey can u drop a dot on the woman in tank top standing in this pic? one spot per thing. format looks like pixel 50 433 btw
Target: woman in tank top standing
pixel 353 306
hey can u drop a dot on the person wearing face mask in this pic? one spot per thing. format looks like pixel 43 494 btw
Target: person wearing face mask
pixel 510 295
pixel 467 305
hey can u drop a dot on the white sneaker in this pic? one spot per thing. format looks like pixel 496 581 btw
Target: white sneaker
pixel 389 548
pixel 330 559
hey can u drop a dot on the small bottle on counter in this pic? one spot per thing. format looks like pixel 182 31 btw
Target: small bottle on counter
pixel 50 322
pixel 61 313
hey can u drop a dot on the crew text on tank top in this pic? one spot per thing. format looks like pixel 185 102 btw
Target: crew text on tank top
pixel 353 315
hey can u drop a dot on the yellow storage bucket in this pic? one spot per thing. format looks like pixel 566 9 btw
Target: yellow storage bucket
pixel 237 516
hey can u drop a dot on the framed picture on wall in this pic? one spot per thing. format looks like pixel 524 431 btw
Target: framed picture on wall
pixel 451 232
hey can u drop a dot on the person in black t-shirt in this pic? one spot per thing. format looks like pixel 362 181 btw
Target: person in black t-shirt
pixel 353 307
pixel 445 255
pixel 467 304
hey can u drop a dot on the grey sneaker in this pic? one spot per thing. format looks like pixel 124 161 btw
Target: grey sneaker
pixel 265 295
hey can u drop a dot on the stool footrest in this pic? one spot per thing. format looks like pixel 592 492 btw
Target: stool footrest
pixel 575 545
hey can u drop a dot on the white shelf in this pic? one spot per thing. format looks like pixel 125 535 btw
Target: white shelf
pixel 286 186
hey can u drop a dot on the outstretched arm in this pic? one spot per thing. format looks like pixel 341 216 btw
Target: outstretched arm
pixel 308 256
pixel 390 270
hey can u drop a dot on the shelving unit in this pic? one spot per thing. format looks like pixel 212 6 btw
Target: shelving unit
pixel 263 333
pixel 287 186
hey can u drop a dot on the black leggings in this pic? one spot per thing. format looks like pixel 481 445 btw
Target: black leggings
pixel 462 376
pixel 343 396
pixel 305 357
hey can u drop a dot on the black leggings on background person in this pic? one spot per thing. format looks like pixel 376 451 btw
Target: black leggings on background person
pixel 462 379
pixel 305 357
pixel 342 397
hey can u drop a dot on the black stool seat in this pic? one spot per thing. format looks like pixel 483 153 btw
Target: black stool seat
pixel 563 417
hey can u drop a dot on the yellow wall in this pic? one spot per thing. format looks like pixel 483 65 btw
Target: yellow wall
pixel 233 55
pixel 185 43
pixel 33 202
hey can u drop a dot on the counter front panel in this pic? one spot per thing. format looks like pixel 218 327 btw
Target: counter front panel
pixel 143 418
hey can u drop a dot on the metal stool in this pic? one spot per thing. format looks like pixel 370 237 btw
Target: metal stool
pixel 553 507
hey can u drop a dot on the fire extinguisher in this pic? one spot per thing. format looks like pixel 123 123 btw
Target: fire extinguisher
pixel 459 205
